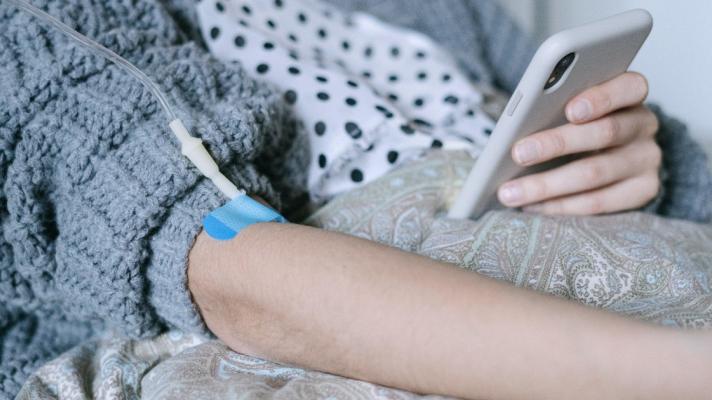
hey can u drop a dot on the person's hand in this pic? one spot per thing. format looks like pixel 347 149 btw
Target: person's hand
pixel 621 171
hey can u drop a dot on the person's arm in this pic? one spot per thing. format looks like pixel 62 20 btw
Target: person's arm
pixel 352 307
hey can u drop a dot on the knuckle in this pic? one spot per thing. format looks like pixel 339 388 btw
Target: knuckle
pixel 601 100
pixel 641 84
pixel 556 143
pixel 655 157
pixel 596 204
pixel 653 186
pixel 537 189
pixel 653 123
pixel 609 131
pixel 594 172
pixel 650 187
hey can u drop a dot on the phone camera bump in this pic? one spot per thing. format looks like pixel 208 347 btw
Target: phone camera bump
pixel 559 70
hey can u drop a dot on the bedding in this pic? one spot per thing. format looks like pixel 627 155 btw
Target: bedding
pixel 635 264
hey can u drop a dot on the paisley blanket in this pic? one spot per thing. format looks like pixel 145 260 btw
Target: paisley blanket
pixel 635 264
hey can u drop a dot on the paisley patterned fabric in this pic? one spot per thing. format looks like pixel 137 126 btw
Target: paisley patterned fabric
pixel 636 264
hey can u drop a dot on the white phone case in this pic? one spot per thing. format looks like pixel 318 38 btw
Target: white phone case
pixel 604 50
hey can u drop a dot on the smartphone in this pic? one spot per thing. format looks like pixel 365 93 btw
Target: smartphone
pixel 566 64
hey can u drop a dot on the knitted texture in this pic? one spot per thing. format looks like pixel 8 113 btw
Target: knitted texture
pixel 98 207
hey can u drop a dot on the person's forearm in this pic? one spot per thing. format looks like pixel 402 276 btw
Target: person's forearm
pixel 352 307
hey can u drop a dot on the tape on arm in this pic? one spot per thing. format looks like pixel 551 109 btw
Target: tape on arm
pixel 227 221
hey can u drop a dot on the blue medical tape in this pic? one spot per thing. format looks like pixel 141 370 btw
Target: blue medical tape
pixel 227 221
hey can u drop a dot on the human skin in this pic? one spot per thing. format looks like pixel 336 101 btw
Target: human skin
pixel 621 171
pixel 348 306
pixel 344 305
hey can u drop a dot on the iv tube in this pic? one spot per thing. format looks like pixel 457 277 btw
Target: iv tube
pixel 191 147
pixel 101 51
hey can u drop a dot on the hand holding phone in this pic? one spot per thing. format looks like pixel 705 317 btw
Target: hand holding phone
pixel 546 120
pixel 621 173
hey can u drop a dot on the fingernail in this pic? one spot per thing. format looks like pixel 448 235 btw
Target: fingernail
pixel 580 110
pixel 526 152
pixel 510 194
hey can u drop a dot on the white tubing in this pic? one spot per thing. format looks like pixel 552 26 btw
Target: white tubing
pixel 191 147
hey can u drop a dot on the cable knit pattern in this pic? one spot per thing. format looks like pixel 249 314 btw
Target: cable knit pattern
pixel 98 209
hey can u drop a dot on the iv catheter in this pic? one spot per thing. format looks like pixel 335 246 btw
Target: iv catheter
pixel 191 147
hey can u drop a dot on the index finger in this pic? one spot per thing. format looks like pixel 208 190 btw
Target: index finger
pixel 625 90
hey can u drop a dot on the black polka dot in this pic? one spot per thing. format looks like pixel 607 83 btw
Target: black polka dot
pixel 386 112
pixel 366 74
pixel 294 55
pixel 214 32
pixel 302 18
pixel 436 144
pixel 268 45
pixel 418 102
pixel 322 79
pixel 322 161
pixel 262 68
pixel 370 147
pixel 243 23
pixel 487 131
pixel 356 175
pixel 294 70
pixel 353 130
pixel 247 10
pixel 407 129
pixel 352 83
pixel 322 33
pixel 422 75
pixel 421 122
pixel 392 156
pixel 271 24
pixel 395 51
pixel 320 128
pixel 293 37
pixel 239 41
pixel 219 6
pixel 368 52
pixel 446 77
pixel 323 96
pixel 470 113
pixel 451 99
pixel 290 96
pixel 393 97
pixel 350 101
pixel 278 3
pixel 346 45
pixel 393 78
pixel 420 55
